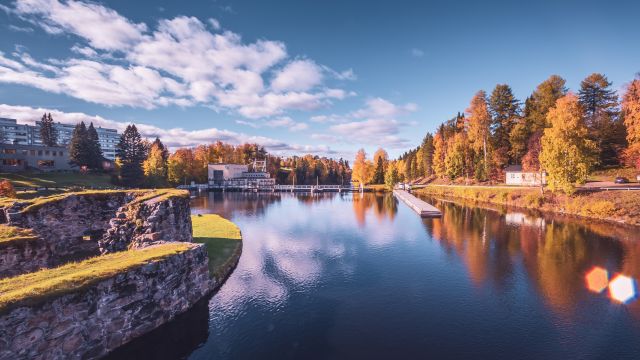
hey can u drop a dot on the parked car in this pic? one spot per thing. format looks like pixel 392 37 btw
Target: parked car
pixel 621 180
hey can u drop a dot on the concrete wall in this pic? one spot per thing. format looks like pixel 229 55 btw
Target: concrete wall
pixel 90 323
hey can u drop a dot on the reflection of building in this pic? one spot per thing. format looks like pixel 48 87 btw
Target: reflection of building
pixel 238 176
pixel 23 157
pixel 515 176
pixel 22 134
pixel 520 219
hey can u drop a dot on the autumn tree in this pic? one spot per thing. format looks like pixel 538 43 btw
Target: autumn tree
pixel 457 157
pixel 567 154
pixel 7 190
pixel 504 111
pixel 439 154
pixel 631 114
pixel 600 104
pixel 48 132
pixel 391 177
pixel 131 153
pixel 180 167
pixel 479 122
pixel 155 165
pixel 362 168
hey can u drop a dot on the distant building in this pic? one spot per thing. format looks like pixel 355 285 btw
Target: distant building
pixel 515 176
pixel 18 157
pixel 236 175
pixel 30 135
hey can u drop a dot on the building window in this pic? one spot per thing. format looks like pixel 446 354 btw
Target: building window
pixel 46 153
pixel 45 163
pixel 9 151
pixel 39 152
pixel 11 162
pixel 32 152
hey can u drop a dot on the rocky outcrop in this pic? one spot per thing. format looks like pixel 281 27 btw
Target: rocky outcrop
pixel 82 225
pixel 91 323
pixel 141 224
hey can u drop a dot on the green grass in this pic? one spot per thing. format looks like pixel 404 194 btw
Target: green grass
pixel 220 236
pixel 45 284
pixel 58 179
pixel 12 234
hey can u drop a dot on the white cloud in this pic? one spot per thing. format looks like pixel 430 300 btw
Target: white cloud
pixel 103 27
pixel 298 75
pixel 215 24
pixel 381 108
pixel 185 63
pixel 283 122
pixel 174 137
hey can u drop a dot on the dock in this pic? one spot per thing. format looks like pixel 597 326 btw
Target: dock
pixel 423 208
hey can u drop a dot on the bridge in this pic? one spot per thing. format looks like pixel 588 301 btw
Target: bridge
pixel 270 188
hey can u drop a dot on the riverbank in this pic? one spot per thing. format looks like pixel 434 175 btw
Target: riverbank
pixel 616 206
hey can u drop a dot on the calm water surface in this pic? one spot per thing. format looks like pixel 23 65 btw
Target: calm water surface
pixel 346 276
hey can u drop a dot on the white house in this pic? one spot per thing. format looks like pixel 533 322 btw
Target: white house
pixel 515 176
pixel 221 172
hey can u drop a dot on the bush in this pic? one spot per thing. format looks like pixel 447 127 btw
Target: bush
pixel 600 208
pixel 7 190
pixel 533 200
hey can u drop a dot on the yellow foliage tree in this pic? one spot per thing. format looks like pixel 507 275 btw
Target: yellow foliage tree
pixel 567 155
pixel 439 152
pixel 154 165
pixel 362 168
pixel 631 113
pixel 478 132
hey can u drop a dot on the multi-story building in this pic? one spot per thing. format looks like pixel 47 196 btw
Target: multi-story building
pixel 30 135
pixel 15 133
pixel 19 157
pixel 239 176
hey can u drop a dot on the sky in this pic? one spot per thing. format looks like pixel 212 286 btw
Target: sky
pixel 321 77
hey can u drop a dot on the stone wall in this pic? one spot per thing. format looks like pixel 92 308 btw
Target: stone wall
pixel 19 257
pixel 79 226
pixel 137 225
pixel 108 314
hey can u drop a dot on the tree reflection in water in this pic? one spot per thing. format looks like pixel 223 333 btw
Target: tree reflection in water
pixel 555 252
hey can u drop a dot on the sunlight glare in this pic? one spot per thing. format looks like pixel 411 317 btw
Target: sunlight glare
pixel 622 288
pixel 597 279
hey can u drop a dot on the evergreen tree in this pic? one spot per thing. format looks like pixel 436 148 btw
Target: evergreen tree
pixel 505 111
pixel 378 177
pixel 427 154
pixel 131 154
pixel 600 104
pixel 94 149
pixel 79 150
pixel 48 133
pixel 543 99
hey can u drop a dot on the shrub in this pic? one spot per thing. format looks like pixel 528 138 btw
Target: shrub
pixel 600 208
pixel 533 200
pixel 7 190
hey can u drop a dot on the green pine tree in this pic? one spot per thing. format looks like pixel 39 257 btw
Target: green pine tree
pixel 505 110
pixel 131 154
pixel 48 133
pixel 79 153
pixel 94 155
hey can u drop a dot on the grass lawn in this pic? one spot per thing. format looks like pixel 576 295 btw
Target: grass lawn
pixel 220 236
pixel 14 234
pixel 58 179
pixel 44 284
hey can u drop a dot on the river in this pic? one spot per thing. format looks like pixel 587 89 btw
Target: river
pixel 350 276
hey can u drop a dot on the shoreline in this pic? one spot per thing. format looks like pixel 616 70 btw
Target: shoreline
pixel 611 207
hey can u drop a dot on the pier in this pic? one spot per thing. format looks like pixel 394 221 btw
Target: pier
pixel 423 208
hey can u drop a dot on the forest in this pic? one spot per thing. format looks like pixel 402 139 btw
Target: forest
pixel 565 134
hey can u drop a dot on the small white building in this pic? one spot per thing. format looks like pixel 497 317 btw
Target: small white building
pixel 515 176
pixel 218 173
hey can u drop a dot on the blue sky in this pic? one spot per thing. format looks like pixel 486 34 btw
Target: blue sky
pixel 325 77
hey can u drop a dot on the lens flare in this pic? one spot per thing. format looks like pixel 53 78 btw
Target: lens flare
pixel 597 279
pixel 622 288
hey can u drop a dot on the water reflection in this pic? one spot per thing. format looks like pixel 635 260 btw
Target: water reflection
pixel 362 276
